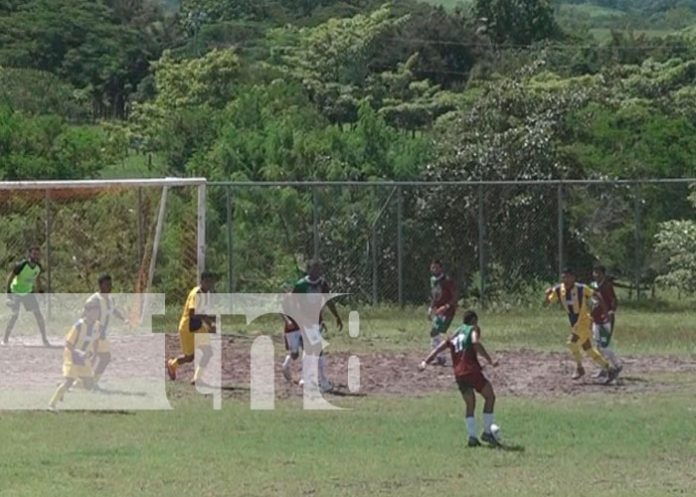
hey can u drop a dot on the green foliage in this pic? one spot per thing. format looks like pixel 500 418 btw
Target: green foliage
pixel 39 92
pixel 675 245
pixel 45 147
pixel 516 22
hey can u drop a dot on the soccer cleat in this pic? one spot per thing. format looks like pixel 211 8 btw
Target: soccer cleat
pixel 171 370
pixel 326 386
pixel 474 442
pixel 602 373
pixel 579 373
pixel 612 375
pixel 52 408
pixel 490 438
pixel 441 361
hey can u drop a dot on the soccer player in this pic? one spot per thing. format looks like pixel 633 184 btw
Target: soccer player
pixel 195 320
pixel 107 308
pixel 465 347
pixel 313 282
pixel 443 305
pixel 576 299
pixel 603 312
pixel 22 282
pixel 80 345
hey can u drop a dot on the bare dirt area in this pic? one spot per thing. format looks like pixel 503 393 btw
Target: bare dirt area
pixel 525 373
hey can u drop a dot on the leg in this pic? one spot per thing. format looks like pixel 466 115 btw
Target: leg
pixel 324 383
pixel 293 341
pixel 14 305
pixel 206 355
pixel 488 406
pixel 188 348
pixel 470 402
pixel 60 392
pixel 42 326
pixel 10 325
pixel 574 347
pixel 594 354
pixel 103 360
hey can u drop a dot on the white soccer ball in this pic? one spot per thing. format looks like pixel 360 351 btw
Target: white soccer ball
pixel 300 383
pixel 495 431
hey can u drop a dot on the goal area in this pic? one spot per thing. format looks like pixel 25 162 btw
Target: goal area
pixel 148 234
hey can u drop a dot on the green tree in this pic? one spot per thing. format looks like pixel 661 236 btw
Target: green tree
pixel 517 22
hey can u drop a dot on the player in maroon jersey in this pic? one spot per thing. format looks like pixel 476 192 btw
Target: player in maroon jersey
pixel 465 346
pixel 443 305
pixel 603 316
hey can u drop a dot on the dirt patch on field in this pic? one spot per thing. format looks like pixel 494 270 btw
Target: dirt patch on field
pixel 524 372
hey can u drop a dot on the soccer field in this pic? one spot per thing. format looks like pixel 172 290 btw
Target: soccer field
pixel 405 436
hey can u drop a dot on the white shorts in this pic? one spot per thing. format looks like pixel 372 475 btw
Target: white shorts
pixel 293 341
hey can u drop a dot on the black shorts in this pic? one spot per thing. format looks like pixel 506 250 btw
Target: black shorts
pixel 29 301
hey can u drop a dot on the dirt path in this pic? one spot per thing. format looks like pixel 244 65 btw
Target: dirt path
pixel 527 373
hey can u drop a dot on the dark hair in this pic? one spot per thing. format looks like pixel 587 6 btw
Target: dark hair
pixel 34 246
pixel 470 316
pixel 207 275
pixel 568 270
pixel 600 268
pixel 437 261
pixel 103 277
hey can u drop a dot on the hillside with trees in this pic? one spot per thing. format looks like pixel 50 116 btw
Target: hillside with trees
pixel 358 90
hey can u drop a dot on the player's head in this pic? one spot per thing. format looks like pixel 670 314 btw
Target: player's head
pixel 91 311
pixel 104 281
pixel 207 280
pixel 34 253
pixel 470 318
pixel 314 269
pixel 599 272
pixel 568 277
pixel 436 267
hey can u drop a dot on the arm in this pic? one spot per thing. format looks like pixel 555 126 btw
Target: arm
pixel 550 296
pixel 442 346
pixel 480 349
pixel 15 271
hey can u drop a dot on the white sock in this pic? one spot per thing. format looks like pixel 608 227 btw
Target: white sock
pixel 611 357
pixel 471 426
pixel 286 362
pixel 487 421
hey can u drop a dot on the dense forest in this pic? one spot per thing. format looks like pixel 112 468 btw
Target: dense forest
pixel 364 90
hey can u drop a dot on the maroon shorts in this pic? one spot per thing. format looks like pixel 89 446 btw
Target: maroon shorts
pixel 473 380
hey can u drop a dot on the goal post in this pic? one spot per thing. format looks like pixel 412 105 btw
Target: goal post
pixel 149 234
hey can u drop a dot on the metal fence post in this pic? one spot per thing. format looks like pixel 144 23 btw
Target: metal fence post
pixel 49 220
pixel 315 221
pixel 481 245
pixel 560 228
pixel 638 240
pixel 230 234
pixel 375 280
pixel 400 244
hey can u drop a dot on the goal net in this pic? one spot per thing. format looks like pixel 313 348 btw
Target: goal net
pixel 149 235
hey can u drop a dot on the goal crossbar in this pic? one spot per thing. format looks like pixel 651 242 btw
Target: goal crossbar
pixel 100 183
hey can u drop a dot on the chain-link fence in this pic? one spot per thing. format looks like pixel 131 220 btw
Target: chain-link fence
pixel 502 241
pixel 85 229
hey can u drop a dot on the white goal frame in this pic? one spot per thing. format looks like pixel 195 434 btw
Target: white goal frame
pixel 164 183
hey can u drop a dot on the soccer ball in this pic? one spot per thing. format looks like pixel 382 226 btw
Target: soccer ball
pixel 495 431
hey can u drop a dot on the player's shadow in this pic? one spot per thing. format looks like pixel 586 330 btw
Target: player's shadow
pixel 507 448
pixel 123 393
pixel 39 346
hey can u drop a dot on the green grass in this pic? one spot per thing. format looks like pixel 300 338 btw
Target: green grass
pixel 638 331
pixel 594 445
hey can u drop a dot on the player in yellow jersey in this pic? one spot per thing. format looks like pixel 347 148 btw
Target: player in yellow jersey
pixel 576 299
pixel 195 320
pixel 107 309
pixel 80 346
